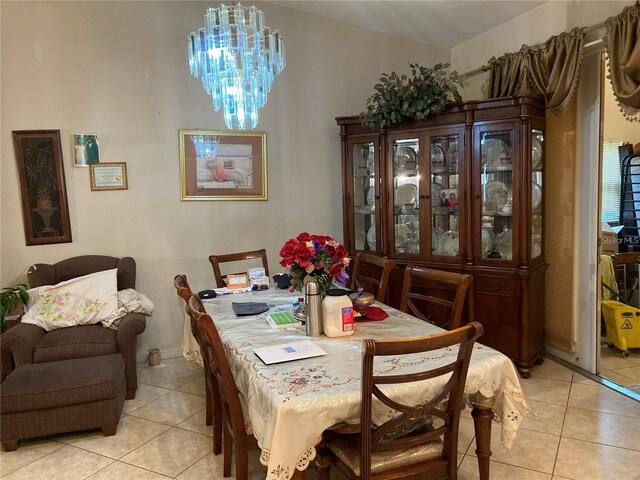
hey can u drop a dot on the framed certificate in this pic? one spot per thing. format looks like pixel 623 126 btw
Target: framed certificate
pixel 109 176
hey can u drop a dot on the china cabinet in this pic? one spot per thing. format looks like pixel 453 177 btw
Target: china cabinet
pixel 461 191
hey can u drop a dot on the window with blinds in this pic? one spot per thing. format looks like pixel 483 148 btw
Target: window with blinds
pixel 560 229
pixel 610 186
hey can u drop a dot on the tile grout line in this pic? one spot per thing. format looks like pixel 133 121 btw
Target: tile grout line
pixel 119 459
pixel 183 429
pixel 145 404
pixel 62 445
pixel 206 454
pixel 97 471
pixel 604 444
pixel 564 418
pixel 150 440
pixel 597 379
pixel 602 412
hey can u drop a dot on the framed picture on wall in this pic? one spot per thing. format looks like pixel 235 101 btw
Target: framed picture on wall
pixel 109 176
pixel 223 165
pixel 42 186
pixel 86 150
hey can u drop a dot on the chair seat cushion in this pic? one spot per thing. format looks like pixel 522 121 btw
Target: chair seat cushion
pixel 347 449
pixel 75 342
pixel 57 384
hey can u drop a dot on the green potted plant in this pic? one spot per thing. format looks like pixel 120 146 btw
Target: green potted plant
pixel 10 299
pixel 399 98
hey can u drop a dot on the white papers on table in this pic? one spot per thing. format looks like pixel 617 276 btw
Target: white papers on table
pixel 287 352
pixel 226 290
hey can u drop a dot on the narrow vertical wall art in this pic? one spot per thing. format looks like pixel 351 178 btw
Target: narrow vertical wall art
pixel 42 186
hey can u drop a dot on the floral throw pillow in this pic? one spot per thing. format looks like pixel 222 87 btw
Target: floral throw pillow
pixel 80 301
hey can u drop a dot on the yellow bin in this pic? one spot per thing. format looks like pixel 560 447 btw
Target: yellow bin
pixel 623 325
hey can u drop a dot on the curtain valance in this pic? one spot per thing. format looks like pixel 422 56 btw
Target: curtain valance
pixel 551 68
pixel 623 50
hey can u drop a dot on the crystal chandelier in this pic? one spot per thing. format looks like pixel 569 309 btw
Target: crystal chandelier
pixel 205 145
pixel 237 57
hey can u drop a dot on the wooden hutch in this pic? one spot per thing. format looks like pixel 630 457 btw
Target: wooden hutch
pixel 461 191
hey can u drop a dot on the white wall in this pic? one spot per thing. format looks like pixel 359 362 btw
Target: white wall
pixel 119 69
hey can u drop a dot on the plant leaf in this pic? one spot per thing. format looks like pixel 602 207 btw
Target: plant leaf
pixel 402 97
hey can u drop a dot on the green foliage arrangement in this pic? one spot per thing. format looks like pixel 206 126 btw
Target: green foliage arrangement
pixel 399 98
pixel 10 298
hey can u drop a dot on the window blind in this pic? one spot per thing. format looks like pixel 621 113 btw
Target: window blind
pixel 559 233
pixel 610 183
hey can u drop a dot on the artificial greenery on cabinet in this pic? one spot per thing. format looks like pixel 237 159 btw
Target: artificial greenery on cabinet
pixel 399 98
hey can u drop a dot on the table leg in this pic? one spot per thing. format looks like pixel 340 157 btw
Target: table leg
pixel 482 417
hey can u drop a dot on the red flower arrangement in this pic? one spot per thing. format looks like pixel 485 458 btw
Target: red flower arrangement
pixel 318 256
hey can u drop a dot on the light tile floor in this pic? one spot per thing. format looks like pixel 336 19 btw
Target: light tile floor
pixel 578 430
pixel 618 369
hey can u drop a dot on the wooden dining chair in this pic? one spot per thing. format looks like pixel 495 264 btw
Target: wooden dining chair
pixel 236 431
pixel 213 410
pixel 216 260
pixel 436 296
pixel 371 273
pixel 411 440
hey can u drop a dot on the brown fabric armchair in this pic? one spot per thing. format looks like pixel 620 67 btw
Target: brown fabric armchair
pixel 28 343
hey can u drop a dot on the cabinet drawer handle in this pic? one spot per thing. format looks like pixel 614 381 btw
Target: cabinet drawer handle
pixel 423 197
pixel 496 286
pixel 477 196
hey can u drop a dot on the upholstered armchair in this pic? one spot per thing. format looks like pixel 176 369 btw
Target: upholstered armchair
pixel 27 343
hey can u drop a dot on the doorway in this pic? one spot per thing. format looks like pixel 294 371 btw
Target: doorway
pixel 619 356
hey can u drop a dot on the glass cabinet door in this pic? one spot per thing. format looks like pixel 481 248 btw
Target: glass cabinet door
pixel 496 194
pixel 365 198
pixel 537 185
pixel 406 195
pixel 445 195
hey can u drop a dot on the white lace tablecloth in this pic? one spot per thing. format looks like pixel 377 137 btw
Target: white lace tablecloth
pixel 291 404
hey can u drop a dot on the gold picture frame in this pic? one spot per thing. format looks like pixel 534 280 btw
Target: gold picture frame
pixel 223 165
pixel 108 176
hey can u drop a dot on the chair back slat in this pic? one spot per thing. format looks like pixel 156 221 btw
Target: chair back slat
pixel 371 273
pixel 216 260
pixel 436 296
pixel 412 424
pixel 419 376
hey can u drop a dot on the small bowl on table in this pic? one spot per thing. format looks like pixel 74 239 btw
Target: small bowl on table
pixel 363 301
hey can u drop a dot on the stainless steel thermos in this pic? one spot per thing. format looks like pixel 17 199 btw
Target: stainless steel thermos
pixel 313 309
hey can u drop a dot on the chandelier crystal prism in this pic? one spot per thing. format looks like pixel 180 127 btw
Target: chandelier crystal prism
pixel 237 57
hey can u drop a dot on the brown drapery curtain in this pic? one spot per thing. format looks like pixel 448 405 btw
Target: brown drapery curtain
pixel 551 69
pixel 623 49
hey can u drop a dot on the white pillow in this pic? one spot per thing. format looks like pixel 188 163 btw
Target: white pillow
pixel 80 301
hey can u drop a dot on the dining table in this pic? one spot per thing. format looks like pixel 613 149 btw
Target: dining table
pixel 291 404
